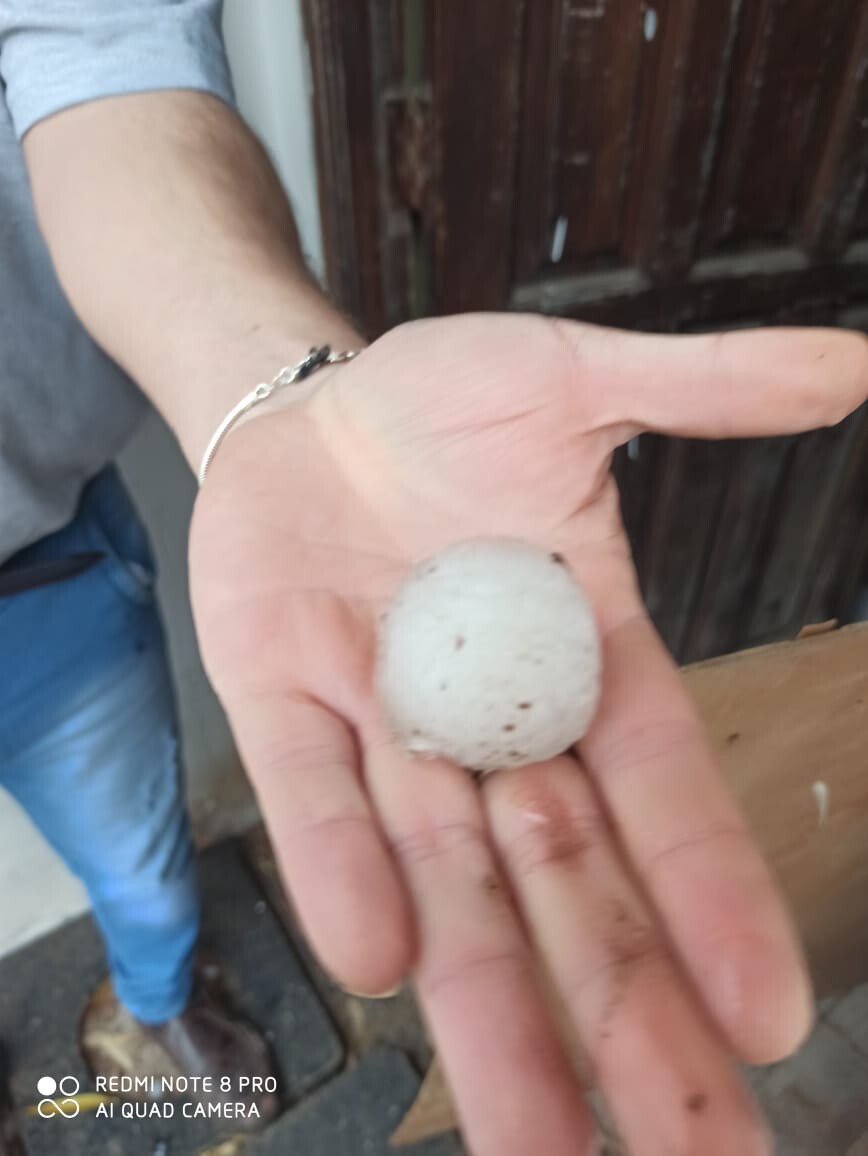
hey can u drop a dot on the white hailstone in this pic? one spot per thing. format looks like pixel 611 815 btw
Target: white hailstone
pixel 489 656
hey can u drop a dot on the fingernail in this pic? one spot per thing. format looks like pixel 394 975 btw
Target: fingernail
pixel 767 1016
pixel 373 995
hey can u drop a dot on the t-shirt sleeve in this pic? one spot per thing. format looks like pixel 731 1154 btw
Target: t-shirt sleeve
pixel 59 53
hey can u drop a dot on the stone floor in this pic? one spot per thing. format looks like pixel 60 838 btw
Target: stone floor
pixel 349 1068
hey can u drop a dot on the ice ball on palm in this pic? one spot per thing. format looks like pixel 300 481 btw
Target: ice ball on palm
pixel 489 656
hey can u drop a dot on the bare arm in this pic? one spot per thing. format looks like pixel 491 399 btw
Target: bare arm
pixel 175 243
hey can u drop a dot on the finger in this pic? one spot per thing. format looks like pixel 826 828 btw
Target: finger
pixel 512 1082
pixel 334 861
pixel 690 846
pixel 747 383
pixel 665 1077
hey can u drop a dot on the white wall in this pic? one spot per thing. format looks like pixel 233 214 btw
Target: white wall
pixel 267 52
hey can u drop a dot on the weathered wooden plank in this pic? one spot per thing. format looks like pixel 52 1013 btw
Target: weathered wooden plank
pixel 783 90
pixel 750 289
pixel 540 96
pixel 340 39
pixel 601 56
pixel 861 223
pixel 836 186
pixel 843 562
pixel 747 69
pixel 660 100
pixel 807 41
pixel 683 520
pixel 399 97
pixel 636 467
pixel 665 483
pixel 686 111
pixel 803 529
pixel 475 78
pixel 748 510
pixel 369 69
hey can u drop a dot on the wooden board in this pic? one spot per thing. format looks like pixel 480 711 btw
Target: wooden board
pixel 782 719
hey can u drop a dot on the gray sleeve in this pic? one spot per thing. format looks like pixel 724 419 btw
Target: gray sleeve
pixel 58 53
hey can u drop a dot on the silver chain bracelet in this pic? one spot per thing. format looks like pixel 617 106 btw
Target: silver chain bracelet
pixel 289 375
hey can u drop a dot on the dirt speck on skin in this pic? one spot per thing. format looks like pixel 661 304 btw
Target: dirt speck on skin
pixel 631 942
pixel 509 727
pixel 627 944
pixel 459 641
pixel 525 705
pixel 619 915
pixel 732 738
pixel 491 885
pixel 558 559
pixel 552 836
pixel 696 1103
pixel 443 685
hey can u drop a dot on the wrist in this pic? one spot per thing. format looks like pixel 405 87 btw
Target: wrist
pixel 236 363
pixel 291 382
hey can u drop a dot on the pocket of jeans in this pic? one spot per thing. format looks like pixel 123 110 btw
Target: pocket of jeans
pixel 118 530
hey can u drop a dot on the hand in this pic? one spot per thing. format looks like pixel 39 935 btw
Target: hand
pixel 626 870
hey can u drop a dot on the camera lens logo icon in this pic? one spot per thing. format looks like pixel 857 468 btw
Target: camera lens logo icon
pixel 57 1097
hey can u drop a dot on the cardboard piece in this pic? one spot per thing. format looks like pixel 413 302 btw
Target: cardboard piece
pixel 790 726
pixel 432 1111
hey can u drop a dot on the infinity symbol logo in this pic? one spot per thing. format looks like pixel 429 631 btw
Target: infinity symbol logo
pixel 50 1105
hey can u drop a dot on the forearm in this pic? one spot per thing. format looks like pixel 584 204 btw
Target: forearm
pixel 176 246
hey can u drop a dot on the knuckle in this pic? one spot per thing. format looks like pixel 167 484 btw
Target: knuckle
pixel 563 840
pixel 646 743
pixel 274 756
pixel 633 952
pixel 552 818
pixel 436 841
pixel 330 824
pixel 479 967
pixel 701 841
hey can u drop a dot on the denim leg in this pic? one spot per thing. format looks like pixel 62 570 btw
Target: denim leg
pixel 89 747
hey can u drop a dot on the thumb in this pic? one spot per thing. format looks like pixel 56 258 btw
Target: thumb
pixel 747 383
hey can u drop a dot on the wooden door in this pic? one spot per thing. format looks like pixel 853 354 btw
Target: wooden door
pixel 676 165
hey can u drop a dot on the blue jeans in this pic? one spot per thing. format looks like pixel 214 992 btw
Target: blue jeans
pixel 89 745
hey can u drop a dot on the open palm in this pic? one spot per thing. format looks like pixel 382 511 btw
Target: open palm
pixel 623 871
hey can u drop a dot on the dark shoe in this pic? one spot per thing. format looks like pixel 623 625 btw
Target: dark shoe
pixel 206 1041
